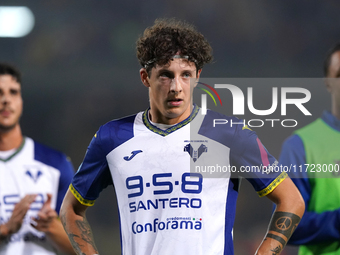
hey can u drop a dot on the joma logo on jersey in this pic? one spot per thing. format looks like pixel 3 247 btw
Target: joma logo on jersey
pixel 195 154
pixel 33 176
pixel 133 154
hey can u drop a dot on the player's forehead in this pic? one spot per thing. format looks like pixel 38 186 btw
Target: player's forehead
pixel 177 64
pixel 7 81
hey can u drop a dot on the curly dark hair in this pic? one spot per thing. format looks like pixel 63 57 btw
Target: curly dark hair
pixel 166 38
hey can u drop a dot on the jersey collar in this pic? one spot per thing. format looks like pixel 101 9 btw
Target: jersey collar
pixel 16 152
pixel 172 129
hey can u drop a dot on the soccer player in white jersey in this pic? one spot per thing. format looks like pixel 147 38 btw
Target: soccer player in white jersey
pixel 164 207
pixel 33 181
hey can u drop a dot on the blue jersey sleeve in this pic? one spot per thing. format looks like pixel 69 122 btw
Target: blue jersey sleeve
pixel 313 227
pixel 252 158
pixel 94 174
pixel 247 153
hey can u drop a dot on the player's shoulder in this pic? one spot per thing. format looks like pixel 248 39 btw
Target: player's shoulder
pixel 223 123
pixel 314 130
pixel 122 121
pixel 213 114
pixel 48 155
pixel 297 140
pixel 222 128
pixel 114 133
pixel 41 149
pixel 117 126
pixel 309 127
pixel 292 143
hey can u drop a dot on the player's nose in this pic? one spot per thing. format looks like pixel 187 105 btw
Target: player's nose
pixel 176 85
pixel 4 99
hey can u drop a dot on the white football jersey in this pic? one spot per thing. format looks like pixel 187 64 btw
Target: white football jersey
pixel 168 201
pixel 32 169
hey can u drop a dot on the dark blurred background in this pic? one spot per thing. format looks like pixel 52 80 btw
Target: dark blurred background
pixel 80 71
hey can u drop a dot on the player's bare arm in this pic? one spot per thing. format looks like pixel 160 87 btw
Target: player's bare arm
pixel 289 211
pixel 47 221
pixel 72 215
pixel 18 215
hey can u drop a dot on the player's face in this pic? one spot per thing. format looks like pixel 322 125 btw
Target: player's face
pixel 170 91
pixel 10 102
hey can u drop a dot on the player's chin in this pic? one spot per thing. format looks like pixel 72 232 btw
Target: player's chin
pixel 174 112
pixel 6 127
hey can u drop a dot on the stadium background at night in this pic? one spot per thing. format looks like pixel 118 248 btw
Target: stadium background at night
pixel 80 71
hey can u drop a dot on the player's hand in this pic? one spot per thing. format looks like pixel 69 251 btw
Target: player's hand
pixel 44 220
pixel 20 209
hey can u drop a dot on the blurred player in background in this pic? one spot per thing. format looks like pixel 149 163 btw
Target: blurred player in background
pixel 165 209
pixel 318 144
pixel 33 181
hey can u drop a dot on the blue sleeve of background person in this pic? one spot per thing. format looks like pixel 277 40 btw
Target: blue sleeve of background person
pixel 94 174
pixel 59 161
pixel 67 172
pixel 313 227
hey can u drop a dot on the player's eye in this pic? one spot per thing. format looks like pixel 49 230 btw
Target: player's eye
pixel 14 92
pixel 166 75
pixel 187 75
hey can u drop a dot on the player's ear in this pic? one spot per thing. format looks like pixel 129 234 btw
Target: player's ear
pixel 144 77
pixel 199 73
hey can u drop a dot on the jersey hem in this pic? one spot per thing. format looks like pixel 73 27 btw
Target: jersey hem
pixel 272 185
pixel 81 200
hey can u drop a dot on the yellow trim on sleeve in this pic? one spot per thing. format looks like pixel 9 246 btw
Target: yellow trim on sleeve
pixel 80 198
pixel 272 185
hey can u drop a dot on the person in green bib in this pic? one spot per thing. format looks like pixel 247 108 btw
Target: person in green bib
pixel 318 144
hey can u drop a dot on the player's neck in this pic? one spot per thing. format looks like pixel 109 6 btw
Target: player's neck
pixel 157 117
pixel 11 139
